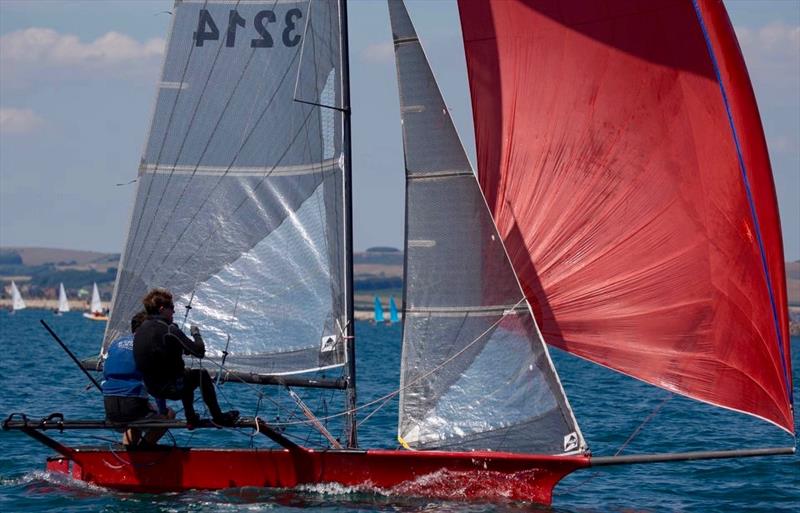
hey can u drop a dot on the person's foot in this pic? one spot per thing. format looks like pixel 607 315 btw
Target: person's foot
pixel 228 418
pixel 192 421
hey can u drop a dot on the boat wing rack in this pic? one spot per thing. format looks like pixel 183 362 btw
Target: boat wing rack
pixel 57 422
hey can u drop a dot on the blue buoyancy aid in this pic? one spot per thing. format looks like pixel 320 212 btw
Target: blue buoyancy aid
pixel 119 370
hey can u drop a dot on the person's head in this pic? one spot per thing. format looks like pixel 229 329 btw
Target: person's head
pixel 137 320
pixel 159 302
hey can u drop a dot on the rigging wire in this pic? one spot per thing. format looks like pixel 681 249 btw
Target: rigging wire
pixel 621 448
pixel 384 398
pixel 228 341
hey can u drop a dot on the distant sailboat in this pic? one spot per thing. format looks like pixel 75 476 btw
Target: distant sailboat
pixel 63 304
pixel 393 316
pixel 96 312
pixel 378 310
pixel 17 303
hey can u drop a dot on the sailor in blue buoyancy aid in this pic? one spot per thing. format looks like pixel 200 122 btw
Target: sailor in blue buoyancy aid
pixel 124 394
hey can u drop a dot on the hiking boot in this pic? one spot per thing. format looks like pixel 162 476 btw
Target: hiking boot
pixel 228 418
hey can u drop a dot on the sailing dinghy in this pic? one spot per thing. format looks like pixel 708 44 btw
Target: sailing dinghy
pixel 96 312
pixel 377 316
pixel 63 303
pixel 394 316
pixel 17 303
pixel 624 211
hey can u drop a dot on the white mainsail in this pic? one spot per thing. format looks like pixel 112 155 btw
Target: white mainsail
pixel 239 208
pixel 96 306
pixel 16 298
pixel 63 304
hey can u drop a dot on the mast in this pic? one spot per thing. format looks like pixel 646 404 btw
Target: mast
pixel 350 346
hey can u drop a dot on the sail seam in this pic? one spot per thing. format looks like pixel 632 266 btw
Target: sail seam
pixel 493 309
pixel 749 195
pixel 328 165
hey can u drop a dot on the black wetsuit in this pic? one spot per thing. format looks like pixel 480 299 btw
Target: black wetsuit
pixel 158 348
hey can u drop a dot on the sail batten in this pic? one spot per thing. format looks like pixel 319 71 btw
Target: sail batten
pixel 623 158
pixel 475 373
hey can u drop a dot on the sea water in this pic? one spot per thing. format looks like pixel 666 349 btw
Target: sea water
pixel 38 378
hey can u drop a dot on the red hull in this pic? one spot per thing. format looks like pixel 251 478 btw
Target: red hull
pixel 474 475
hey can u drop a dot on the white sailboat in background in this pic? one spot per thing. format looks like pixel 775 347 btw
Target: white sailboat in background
pixel 63 303
pixel 96 312
pixel 17 303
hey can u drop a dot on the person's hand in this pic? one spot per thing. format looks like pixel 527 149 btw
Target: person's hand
pixel 195 332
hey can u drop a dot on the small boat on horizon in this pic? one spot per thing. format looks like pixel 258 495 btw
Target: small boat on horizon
pixel 96 311
pixel 378 316
pixel 63 303
pixel 17 303
pixel 393 315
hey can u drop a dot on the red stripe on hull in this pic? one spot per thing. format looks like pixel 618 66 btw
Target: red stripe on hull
pixel 473 475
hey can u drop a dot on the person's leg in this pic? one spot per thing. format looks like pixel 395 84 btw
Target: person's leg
pixel 154 435
pixel 131 437
pixel 186 387
pixel 201 378
pixel 123 409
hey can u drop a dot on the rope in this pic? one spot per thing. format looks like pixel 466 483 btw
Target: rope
pixel 633 435
pixel 392 394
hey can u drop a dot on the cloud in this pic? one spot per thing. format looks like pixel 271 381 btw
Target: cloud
pixel 379 52
pixel 19 121
pixel 776 37
pixel 772 54
pixel 35 54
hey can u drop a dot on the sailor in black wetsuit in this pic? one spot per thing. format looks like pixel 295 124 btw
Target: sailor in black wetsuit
pixel 159 346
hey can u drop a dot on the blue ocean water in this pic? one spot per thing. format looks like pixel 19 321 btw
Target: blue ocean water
pixel 38 378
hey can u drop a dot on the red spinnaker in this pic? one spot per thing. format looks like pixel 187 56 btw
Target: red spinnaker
pixel 622 155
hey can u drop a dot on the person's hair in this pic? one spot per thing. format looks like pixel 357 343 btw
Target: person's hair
pixel 137 320
pixel 155 300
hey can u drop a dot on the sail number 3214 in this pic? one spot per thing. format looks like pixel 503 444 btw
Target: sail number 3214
pixel 207 28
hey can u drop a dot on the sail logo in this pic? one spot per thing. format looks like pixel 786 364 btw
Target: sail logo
pixel 327 344
pixel 571 442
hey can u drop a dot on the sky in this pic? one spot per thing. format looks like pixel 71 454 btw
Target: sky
pixel 78 83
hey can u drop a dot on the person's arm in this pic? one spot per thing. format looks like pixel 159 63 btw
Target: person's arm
pixel 194 347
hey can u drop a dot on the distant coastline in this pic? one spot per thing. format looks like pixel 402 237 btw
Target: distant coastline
pixel 51 304
pixel 378 272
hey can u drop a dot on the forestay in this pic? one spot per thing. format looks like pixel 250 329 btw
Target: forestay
pixel 238 209
pixel 475 372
